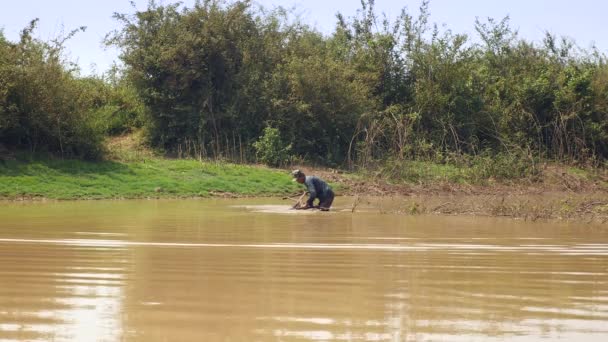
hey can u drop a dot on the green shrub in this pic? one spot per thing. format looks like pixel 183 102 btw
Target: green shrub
pixel 44 105
pixel 502 166
pixel 270 150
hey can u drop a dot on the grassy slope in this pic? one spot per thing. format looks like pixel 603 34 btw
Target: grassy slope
pixel 135 171
pixel 71 179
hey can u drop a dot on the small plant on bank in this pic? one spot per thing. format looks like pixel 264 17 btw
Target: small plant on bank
pixel 270 150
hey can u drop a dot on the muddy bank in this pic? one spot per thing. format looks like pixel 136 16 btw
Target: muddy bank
pixel 585 208
pixel 558 195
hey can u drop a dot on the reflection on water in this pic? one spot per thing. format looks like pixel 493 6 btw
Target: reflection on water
pixel 240 270
pixel 53 292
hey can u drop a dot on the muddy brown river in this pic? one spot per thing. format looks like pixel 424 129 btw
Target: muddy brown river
pixel 251 270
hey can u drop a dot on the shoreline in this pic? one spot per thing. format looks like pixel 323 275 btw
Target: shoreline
pixel 588 207
pixel 559 195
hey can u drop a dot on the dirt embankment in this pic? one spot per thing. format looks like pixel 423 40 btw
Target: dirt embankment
pixel 556 195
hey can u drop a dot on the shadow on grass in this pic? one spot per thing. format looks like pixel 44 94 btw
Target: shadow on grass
pixel 32 164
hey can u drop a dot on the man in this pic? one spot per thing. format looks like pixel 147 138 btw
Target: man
pixel 317 188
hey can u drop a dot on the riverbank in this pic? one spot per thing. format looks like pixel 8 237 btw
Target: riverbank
pixel 557 192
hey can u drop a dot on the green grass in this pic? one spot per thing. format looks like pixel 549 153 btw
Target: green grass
pixel 30 176
pixel 427 172
pixel 580 173
pixel 468 170
pixel 424 172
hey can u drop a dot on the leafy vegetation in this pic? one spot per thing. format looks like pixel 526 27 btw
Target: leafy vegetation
pixel 46 106
pixel 42 104
pixel 207 81
pixel 370 91
pixel 270 150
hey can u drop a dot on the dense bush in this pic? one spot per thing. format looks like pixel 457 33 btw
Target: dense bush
pixel 270 150
pixel 119 109
pixel 43 105
pixel 207 80
pixel 504 95
pixel 372 90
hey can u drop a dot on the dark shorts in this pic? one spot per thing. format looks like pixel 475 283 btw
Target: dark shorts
pixel 326 200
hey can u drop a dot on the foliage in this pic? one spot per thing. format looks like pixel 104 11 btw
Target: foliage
pixel 120 109
pixel 270 150
pixel 187 67
pixel 504 95
pixel 207 81
pixel 43 105
pixel 220 72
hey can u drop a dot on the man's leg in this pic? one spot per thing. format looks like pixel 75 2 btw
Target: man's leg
pixel 325 202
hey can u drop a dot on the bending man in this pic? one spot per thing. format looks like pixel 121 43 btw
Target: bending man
pixel 317 188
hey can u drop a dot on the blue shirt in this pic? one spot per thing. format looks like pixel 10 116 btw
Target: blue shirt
pixel 317 188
